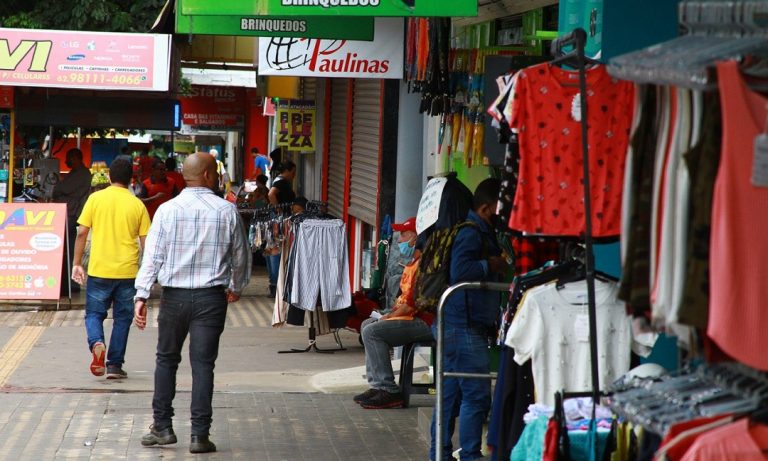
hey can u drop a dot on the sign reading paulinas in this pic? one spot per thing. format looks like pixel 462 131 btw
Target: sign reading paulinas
pixel 381 58
pixel 88 60
pixel 31 246
pixel 400 8
pixel 272 26
pixel 296 125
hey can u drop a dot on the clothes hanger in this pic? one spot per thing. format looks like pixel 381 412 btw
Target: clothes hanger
pixel 716 31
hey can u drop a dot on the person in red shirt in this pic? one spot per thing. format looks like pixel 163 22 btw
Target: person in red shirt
pixel 158 189
pixel 173 173
pixel 145 163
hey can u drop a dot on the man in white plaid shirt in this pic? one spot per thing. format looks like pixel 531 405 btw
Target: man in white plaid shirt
pixel 196 249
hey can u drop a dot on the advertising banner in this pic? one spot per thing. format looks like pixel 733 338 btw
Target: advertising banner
pixel 87 60
pixel 274 26
pixel 214 107
pixel 6 97
pixel 296 125
pixel 381 58
pixel 400 8
pixel 31 246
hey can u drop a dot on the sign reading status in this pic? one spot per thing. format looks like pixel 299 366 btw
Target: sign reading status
pixel 422 8
pixel 87 60
pixel 273 26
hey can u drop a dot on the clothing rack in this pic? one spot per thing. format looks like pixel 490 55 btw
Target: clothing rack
pixel 577 59
pixel 715 31
pixel 312 345
pixel 314 208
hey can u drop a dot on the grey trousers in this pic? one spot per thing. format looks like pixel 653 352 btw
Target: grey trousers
pixel 378 337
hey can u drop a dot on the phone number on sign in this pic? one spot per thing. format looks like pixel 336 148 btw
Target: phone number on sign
pixel 75 77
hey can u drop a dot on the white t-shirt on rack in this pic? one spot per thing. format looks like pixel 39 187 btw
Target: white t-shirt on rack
pixel 551 328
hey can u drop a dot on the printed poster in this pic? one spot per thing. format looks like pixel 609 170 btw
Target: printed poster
pixel 296 125
pixel 31 246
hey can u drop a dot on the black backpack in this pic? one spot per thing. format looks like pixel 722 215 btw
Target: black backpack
pixel 435 266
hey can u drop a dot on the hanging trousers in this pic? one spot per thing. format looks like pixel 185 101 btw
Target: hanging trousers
pixel 321 265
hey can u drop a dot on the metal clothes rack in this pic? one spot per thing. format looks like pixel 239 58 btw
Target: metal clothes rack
pixel 315 207
pixel 577 60
pixel 715 31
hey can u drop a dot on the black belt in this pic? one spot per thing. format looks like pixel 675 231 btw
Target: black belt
pixel 215 289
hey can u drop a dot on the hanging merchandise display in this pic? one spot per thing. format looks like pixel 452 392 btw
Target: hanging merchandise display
pixel 687 197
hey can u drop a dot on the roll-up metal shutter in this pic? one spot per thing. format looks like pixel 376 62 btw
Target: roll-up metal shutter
pixel 308 88
pixel 337 152
pixel 364 171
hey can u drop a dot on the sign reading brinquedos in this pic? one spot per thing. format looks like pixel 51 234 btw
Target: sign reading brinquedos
pixel 273 26
pixel 422 8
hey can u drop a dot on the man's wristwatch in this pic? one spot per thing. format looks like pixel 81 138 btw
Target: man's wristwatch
pixel 139 298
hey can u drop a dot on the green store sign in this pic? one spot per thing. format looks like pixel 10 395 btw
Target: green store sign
pixel 332 7
pixel 273 26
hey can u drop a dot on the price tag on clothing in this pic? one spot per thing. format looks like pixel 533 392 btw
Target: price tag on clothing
pixel 581 328
pixel 760 161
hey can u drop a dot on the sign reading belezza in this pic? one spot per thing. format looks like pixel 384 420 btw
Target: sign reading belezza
pixel 381 58
pixel 296 125
pixel 422 8
pixel 274 26
pixel 88 60
pixel 31 245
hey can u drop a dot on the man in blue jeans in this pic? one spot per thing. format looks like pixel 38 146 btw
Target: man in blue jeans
pixel 469 316
pixel 119 221
pixel 200 273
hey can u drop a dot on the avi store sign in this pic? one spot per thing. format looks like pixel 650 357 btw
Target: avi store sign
pixel 333 7
pixel 303 57
pixel 86 60
pixel 214 107
pixel 31 246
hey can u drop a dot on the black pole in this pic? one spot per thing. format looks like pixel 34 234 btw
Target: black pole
pixel 589 262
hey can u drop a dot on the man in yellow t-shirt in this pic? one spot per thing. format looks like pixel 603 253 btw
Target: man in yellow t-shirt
pixel 120 223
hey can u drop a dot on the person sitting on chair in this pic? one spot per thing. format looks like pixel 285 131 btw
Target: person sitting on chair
pixel 401 326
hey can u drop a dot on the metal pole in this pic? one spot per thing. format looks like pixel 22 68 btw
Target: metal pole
pixel 439 373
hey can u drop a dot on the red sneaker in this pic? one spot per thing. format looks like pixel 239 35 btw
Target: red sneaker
pixel 97 364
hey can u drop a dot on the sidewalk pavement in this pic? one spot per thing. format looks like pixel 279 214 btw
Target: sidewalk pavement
pixel 267 406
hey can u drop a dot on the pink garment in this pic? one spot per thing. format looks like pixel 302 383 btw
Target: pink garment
pixel 734 442
pixel 738 318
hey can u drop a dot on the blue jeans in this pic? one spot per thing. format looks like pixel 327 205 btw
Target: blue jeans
pixel 199 313
pixel 273 267
pixel 101 294
pixel 468 399
pixel 378 336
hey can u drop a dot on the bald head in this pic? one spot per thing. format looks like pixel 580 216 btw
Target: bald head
pixel 198 169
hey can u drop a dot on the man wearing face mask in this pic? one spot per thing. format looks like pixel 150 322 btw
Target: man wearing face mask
pixel 469 320
pixel 401 326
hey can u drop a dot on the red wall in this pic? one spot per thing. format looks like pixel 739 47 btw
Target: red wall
pixel 256 134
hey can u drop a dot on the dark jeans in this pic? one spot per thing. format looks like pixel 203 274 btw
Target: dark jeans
pixel 101 295
pixel 468 399
pixel 201 313
pixel 273 268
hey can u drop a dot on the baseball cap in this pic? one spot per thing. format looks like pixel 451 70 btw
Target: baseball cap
pixel 407 225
